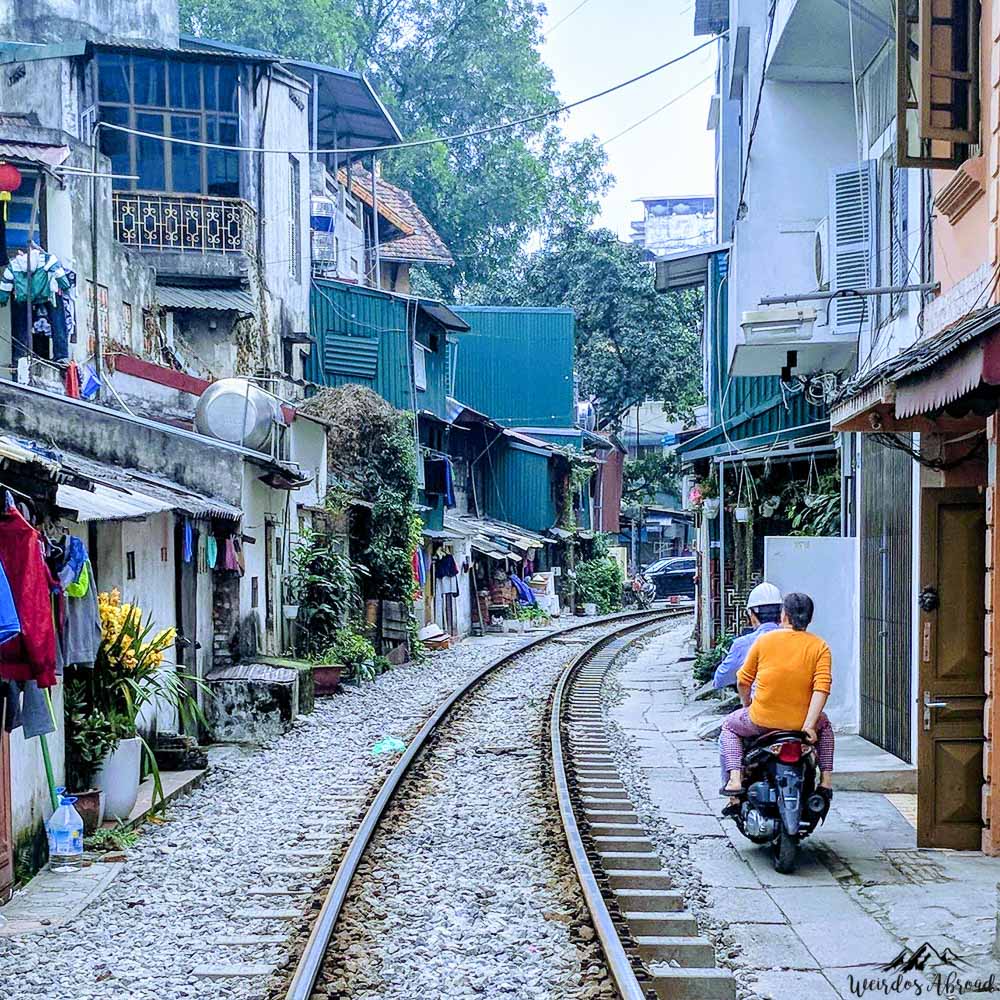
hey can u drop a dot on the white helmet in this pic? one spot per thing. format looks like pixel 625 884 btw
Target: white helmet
pixel 762 595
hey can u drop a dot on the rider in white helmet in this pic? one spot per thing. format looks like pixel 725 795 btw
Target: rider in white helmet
pixel 764 613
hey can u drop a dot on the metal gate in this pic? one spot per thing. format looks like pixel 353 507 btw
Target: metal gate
pixel 886 543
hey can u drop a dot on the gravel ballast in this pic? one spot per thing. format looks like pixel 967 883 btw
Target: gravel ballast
pixel 467 889
pixel 195 880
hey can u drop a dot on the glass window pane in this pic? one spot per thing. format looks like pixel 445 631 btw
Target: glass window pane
pixel 185 85
pixel 212 87
pixel 150 82
pixel 149 154
pixel 223 165
pixel 227 87
pixel 113 77
pixel 185 161
pixel 116 144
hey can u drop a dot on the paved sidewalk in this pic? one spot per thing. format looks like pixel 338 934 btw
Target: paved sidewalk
pixel 863 891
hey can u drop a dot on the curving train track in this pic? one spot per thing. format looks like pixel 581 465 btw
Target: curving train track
pixel 648 943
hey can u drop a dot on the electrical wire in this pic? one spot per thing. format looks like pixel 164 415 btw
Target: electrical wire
pixel 414 143
pixel 563 20
pixel 741 203
pixel 662 107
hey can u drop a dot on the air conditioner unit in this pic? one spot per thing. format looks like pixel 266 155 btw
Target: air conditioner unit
pixel 823 256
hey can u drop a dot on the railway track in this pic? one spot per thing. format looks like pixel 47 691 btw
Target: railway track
pixel 628 900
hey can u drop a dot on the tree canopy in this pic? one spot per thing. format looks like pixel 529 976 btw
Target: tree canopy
pixel 633 344
pixel 445 66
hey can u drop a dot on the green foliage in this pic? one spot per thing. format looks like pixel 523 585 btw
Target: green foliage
pixel 113 838
pixel 599 581
pixel 352 648
pixel 633 343
pixel 326 589
pixel 91 735
pixel 706 660
pixel 813 510
pixel 601 546
pixel 530 613
pixel 445 66
pixel 646 478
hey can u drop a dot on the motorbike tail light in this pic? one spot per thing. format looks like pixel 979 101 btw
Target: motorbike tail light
pixel 790 753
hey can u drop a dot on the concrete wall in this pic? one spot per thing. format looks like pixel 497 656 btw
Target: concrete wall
pixel 62 20
pixel 825 569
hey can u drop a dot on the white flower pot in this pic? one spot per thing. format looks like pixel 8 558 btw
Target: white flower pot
pixel 118 778
pixel 742 514
pixel 711 508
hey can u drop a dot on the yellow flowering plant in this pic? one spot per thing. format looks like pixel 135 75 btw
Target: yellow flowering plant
pixel 131 671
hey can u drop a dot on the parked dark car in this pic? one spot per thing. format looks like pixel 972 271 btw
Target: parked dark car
pixel 673 577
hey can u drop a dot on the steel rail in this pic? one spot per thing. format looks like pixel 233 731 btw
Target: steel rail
pixel 617 958
pixel 307 971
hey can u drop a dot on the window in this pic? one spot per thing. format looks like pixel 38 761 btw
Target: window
pixel 937 74
pixel 355 266
pixel 255 592
pixel 186 99
pixel 129 565
pixel 419 366
pixel 294 218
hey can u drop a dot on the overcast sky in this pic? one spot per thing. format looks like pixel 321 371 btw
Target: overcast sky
pixel 607 41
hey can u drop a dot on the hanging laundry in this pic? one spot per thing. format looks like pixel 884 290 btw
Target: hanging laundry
pixel 211 551
pixel 31 654
pixel 188 540
pixel 10 625
pixel 200 557
pixel 449 489
pixel 23 705
pixel 47 277
pixel 446 573
pixel 233 557
pixel 91 383
pixel 80 586
pixel 81 633
pixel 69 561
pixel 73 381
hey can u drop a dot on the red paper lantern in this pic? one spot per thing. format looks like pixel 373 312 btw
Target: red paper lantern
pixel 10 181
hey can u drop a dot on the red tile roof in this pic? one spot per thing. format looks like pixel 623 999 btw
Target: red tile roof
pixel 422 244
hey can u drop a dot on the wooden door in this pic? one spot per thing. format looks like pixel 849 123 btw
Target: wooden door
pixel 951 693
pixel 186 604
pixel 6 820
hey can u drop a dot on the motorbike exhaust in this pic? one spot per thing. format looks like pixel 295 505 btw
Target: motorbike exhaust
pixel 816 803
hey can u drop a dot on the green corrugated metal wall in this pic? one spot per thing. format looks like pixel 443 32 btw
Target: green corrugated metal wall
pixel 517 365
pixel 341 314
pixel 519 488
pixel 744 394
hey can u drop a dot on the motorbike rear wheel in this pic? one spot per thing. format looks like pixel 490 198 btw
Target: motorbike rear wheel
pixel 786 849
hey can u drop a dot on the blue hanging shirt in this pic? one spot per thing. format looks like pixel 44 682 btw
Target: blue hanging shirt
pixel 10 624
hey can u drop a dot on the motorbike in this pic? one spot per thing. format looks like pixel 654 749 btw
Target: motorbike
pixel 639 592
pixel 781 803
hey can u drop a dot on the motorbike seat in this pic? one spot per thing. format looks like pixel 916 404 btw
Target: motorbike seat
pixel 777 736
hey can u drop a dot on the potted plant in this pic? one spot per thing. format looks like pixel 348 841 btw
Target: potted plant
pixel 127 677
pixel 704 496
pixel 351 654
pixel 91 736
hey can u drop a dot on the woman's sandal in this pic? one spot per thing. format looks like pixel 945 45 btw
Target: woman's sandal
pixel 732 793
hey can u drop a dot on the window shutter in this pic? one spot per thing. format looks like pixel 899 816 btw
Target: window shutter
pixel 353 357
pixel 853 258
pixel 949 53
pixel 899 248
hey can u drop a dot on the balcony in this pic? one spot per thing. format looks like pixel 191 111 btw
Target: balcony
pixel 190 234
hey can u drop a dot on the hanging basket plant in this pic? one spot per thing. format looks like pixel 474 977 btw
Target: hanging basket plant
pixel 710 507
pixel 745 496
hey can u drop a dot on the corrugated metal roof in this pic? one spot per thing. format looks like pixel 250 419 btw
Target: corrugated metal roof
pixel 131 486
pixel 106 503
pixel 34 152
pixel 211 299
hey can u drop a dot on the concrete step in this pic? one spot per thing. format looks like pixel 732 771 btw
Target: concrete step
pixel 617 829
pixel 649 924
pixel 672 983
pixel 625 878
pixel 650 900
pixel 630 859
pixel 690 952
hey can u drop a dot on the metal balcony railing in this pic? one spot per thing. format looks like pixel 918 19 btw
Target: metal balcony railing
pixel 189 223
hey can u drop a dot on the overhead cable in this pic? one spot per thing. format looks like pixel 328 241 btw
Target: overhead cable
pixel 414 143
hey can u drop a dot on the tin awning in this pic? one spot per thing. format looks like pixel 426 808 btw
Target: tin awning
pixel 953 373
pixel 179 297
pixel 34 152
pixel 686 268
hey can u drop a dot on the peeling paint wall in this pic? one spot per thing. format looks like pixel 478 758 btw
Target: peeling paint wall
pixel 59 20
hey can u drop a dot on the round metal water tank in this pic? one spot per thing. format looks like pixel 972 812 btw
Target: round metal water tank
pixel 237 411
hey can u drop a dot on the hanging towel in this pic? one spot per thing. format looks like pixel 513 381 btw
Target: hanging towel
pixel 73 381
pixel 211 551
pixel 188 540
pixel 31 654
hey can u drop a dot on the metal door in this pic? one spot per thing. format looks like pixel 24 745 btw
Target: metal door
pixel 952 679
pixel 886 545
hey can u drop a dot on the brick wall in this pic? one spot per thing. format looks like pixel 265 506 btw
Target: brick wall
pixel 225 618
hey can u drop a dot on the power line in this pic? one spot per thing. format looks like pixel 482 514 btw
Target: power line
pixel 563 20
pixel 662 107
pixel 414 143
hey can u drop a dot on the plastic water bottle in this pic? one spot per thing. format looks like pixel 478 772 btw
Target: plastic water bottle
pixel 65 830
